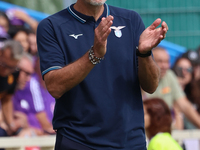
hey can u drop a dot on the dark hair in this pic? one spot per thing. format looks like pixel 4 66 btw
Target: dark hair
pixel 192 91
pixel 160 116
pixel 2 14
pixel 174 68
pixel 14 30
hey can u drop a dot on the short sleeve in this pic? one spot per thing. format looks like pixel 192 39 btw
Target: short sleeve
pixel 50 53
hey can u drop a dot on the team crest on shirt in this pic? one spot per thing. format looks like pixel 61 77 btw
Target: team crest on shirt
pixel 117 30
pixel 10 79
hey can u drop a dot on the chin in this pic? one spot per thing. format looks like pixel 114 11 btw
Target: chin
pixel 97 2
pixel 21 87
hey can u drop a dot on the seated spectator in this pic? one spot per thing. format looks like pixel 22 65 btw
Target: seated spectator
pixel 171 92
pixel 4 21
pixel 158 125
pixel 31 101
pixel 3 36
pixel 10 54
pixel 194 57
pixel 20 35
pixel 183 69
pixel 32 44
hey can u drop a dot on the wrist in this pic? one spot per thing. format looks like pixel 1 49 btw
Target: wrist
pixel 93 58
pixel 146 54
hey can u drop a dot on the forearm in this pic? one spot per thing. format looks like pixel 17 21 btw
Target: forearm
pixel 7 111
pixel 60 81
pixel 192 114
pixel 178 119
pixel 148 73
pixel 44 122
pixel 33 24
pixel 186 107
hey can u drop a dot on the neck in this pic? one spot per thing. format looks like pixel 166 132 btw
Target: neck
pixel 88 9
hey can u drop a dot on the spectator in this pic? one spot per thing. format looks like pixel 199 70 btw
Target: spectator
pixel 3 36
pixel 158 125
pixel 29 100
pixel 20 35
pixel 170 91
pixel 32 44
pixel 194 57
pixel 26 69
pixel 183 69
pixel 10 55
pixel 4 21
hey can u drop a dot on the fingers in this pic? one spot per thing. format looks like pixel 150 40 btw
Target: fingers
pixel 164 25
pixel 104 27
pixel 101 35
pixel 164 29
pixel 155 24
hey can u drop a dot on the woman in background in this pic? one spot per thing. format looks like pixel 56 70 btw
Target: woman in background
pixel 158 122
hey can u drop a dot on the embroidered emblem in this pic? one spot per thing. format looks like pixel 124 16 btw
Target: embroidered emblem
pixel 118 31
pixel 76 36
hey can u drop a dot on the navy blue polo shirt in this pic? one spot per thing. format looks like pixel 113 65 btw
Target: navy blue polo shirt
pixel 105 110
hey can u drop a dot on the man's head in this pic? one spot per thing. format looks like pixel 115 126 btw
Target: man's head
pixel 95 2
pixel 26 69
pixel 10 54
pixel 162 59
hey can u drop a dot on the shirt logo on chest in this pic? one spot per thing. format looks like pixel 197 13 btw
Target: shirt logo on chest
pixel 24 104
pixel 76 36
pixel 117 30
pixel 165 90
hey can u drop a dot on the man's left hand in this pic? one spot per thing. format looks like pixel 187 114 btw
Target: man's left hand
pixel 152 36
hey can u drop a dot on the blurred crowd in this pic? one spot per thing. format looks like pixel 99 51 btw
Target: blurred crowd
pixel 26 107
pixel 175 105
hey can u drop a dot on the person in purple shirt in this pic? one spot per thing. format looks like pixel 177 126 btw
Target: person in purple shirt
pixel 28 100
pixel 31 101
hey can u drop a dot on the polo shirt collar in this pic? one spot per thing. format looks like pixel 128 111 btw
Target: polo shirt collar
pixel 83 18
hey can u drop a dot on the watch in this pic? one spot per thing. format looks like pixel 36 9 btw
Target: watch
pixel 142 55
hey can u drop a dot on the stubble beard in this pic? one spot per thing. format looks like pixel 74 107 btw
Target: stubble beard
pixel 97 3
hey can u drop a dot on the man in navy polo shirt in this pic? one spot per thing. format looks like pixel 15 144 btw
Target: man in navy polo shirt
pixel 98 100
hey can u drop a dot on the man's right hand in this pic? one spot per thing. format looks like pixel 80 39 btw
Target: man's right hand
pixel 101 35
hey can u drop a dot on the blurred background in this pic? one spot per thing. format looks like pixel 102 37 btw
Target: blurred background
pixel 182 44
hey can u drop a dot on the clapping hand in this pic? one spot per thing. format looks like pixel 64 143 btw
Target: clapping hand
pixel 152 36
